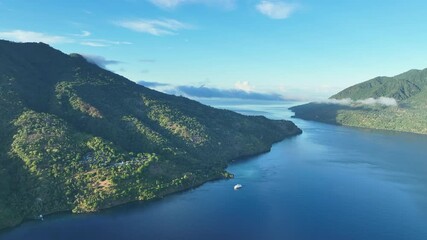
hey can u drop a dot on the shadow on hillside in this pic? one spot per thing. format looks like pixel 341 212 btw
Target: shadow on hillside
pixel 320 112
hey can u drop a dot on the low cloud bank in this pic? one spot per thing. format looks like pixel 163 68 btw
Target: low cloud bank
pixel 241 91
pixel 206 92
pixel 383 101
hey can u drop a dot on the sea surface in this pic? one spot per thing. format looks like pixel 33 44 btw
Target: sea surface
pixel 329 183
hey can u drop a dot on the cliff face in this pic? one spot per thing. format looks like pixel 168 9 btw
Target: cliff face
pixel 77 137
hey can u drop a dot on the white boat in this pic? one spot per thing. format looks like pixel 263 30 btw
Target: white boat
pixel 237 186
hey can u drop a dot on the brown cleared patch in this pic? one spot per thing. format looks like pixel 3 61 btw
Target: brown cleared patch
pixel 104 184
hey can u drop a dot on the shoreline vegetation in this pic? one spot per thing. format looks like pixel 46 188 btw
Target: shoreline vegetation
pixel 226 175
pixel 76 137
pixel 396 103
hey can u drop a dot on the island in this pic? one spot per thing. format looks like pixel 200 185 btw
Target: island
pixel 76 137
pixel 396 103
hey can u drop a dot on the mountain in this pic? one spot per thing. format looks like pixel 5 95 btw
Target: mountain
pixel 400 87
pixel 367 104
pixel 77 137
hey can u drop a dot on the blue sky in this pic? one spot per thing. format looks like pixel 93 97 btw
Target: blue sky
pixel 304 49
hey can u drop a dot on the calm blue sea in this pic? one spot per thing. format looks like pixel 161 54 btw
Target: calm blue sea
pixel 329 183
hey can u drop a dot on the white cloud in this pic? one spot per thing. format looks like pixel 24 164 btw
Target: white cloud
pixel 167 3
pixel 155 27
pixel 29 36
pixel 243 86
pixel 379 101
pixel 102 43
pixel 227 4
pixel 384 101
pixel 93 44
pixel 276 9
pixel 83 34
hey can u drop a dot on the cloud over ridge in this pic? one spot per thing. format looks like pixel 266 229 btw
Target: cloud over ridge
pixel 384 101
pixel 99 60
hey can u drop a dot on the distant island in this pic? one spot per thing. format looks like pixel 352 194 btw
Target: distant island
pixel 76 137
pixel 396 103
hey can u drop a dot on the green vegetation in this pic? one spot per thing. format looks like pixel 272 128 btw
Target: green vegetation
pixel 75 137
pixel 410 115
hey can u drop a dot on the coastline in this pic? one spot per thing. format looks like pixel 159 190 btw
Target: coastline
pixel 360 127
pixel 167 192
pixel 362 118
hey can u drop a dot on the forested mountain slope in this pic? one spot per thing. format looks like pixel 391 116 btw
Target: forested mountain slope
pixel 74 136
pixel 357 104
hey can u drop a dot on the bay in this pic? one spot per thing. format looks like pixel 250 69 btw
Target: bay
pixel 331 182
